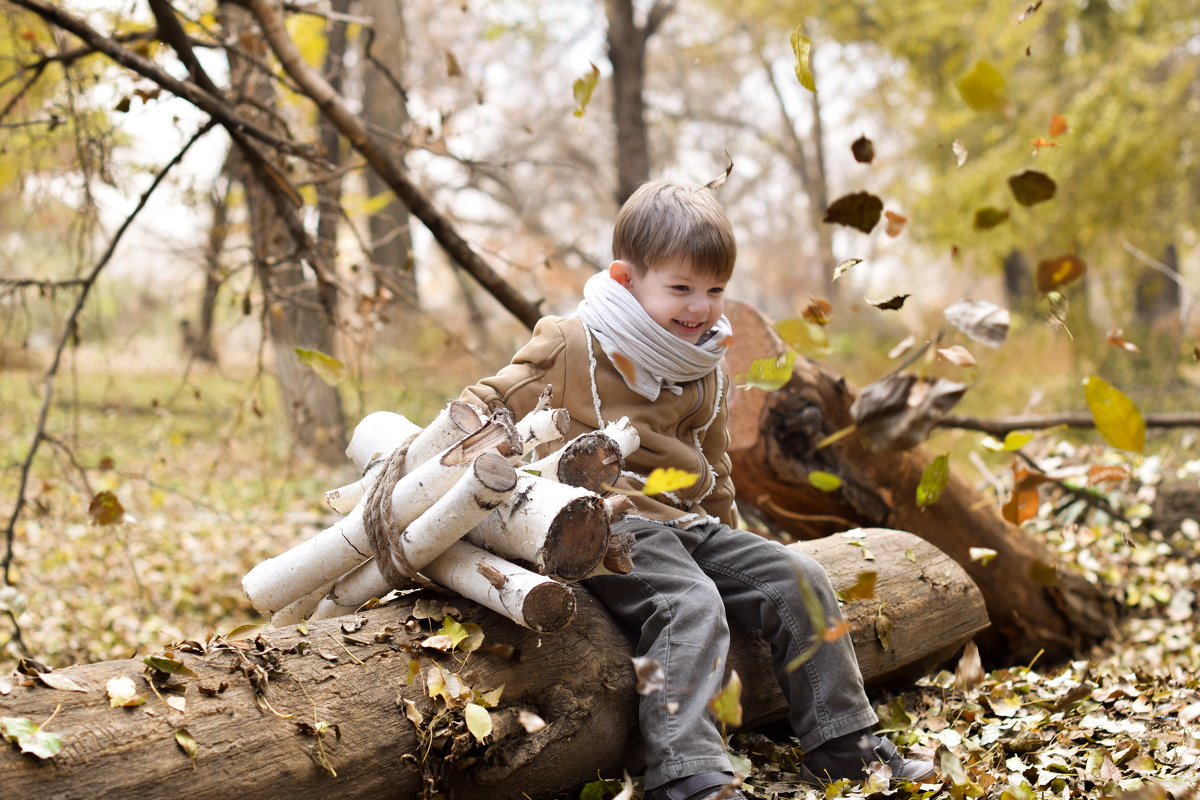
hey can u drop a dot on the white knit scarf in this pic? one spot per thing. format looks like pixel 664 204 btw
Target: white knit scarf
pixel 629 335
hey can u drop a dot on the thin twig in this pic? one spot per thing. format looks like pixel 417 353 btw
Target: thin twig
pixel 1071 419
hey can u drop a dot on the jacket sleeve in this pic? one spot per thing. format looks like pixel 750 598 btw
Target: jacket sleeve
pixel 719 502
pixel 518 386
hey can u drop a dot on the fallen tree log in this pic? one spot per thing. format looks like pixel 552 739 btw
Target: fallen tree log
pixel 1034 603
pixel 366 696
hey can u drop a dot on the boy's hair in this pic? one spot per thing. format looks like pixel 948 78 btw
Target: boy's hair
pixel 663 220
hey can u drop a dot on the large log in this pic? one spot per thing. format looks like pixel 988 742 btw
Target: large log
pixel 1035 603
pixel 278 715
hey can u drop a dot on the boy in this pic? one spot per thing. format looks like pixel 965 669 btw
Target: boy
pixel 647 343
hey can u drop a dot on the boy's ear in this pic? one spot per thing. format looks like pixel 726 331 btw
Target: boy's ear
pixel 620 272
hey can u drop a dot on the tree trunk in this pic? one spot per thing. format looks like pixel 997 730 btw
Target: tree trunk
pixel 298 315
pixel 279 715
pixel 1034 604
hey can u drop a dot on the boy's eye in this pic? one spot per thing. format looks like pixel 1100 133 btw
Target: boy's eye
pixel 679 288
pixel 717 290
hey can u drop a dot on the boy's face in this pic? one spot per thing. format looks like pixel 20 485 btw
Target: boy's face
pixel 675 296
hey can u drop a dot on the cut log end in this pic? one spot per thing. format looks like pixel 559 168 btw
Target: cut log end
pixel 548 607
pixel 495 472
pixel 593 461
pixel 577 538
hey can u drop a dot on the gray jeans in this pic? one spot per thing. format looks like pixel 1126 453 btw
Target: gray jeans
pixel 687 587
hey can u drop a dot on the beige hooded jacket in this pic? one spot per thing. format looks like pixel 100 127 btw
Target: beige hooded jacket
pixel 686 431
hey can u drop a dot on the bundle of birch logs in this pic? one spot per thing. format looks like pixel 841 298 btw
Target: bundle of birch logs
pixel 456 505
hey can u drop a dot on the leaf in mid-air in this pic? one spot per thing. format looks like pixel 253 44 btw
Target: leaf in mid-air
pixel 805 337
pixel 328 368
pixel 583 88
pixel 1032 187
pixel 933 481
pixel 983 88
pixel 989 217
pixel 668 479
pixel 824 481
pixel 982 321
pixel 1115 415
pixel 726 707
pixel 802 47
pixel 105 509
pixel 863 150
pixel 1055 272
pixel 771 374
pixel 858 210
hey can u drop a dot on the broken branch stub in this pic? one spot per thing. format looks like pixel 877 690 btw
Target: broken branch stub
pixel 455 421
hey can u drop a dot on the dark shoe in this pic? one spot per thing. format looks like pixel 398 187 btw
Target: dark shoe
pixel 703 786
pixel 849 756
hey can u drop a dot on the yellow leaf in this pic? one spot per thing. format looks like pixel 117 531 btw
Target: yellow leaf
pixel 824 481
pixel 802 47
pixel 328 368
pixel 584 87
pixel 1115 415
pixel 983 87
pixel 771 374
pixel 308 33
pixel 726 707
pixel 668 479
pixel 863 588
pixel 479 722
pixel 803 336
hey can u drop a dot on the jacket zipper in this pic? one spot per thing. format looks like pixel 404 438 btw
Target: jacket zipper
pixel 701 483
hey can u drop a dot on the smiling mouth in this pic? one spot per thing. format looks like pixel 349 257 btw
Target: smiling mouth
pixel 691 326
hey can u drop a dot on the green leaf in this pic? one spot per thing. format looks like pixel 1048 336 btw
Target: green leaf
pixel 989 217
pixel 328 368
pixel 29 737
pixel 583 88
pixel 824 481
pixel 726 707
pixel 805 337
pixel 1115 415
pixel 600 789
pixel 1032 187
pixel 479 721
pixel 452 629
pixel 933 481
pixel 983 88
pixel 802 47
pixel 168 664
pixel 771 374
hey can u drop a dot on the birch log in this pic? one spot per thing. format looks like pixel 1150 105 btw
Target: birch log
pixel 352 675
pixel 562 530
pixel 278 581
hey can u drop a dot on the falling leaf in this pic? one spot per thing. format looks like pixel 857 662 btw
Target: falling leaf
pixel 771 374
pixel 479 721
pixel 883 629
pixel 1029 11
pixel 1039 143
pixel 453 70
pixel 650 675
pixel 583 88
pixel 30 737
pixel 841 268
pixel 530 721
pixel 1116 338
pixel 726 707
pixel 1022 505
pixel 719 181
pixel 980 320
pixel 1102 473
pixel 959 148
pixel 899 411
pixel 895 223
pixel 983 555
pixel 668 479
pixel 1043 573
pixel 624 366
pixel 1032 187
pixel 328 368
pixel 863 150
pixel 1053 273
pixel 902 347
pixel 824 481
pixel 933 481
pixel 122 692
pixel 1058 126
pixel 969 672
pixel 859 210
pixel 1117 418
pixel 957 355
pixel 805 337
pixel 893 303
pixel 186 743
pixel 835 631
pixel 818 311
pixel 983 88
pixel 105 509
pixel 863 588
pixel 989 217
pixel 802 47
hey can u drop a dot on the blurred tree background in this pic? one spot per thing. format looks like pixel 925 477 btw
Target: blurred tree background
pixel 205 280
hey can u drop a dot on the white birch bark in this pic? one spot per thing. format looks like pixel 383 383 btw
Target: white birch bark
pixel 453 423
pixel 542 426
pixel 529 599
pixel 378 434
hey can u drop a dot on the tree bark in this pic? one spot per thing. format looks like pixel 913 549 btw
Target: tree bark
pixel 277 715
pixel 1034 603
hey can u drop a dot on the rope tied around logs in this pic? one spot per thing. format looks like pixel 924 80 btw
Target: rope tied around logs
pixel 380 525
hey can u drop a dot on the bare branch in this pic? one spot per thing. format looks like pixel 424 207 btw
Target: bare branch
pixel 1071 419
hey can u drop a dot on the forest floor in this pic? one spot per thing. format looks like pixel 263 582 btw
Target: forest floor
pixel 208 487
